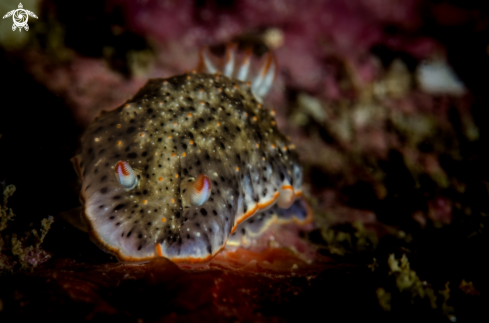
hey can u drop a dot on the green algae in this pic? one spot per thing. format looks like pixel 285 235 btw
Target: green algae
pixel 20 251
pixel 6 214
pixel 407 289
pixel 353 239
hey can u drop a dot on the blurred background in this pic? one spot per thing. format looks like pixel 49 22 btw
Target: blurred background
pixel 384 100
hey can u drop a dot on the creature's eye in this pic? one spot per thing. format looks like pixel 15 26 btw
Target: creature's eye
pixel 197 192
pixel 125 174
pixel 286 197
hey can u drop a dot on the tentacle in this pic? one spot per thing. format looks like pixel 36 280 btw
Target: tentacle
pixel 205 62
pixel 260 85
pixel 269 77
pixel 263 81
pixel 245 66
pixel 230 54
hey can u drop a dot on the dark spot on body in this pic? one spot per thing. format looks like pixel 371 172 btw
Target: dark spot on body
pixel 119 206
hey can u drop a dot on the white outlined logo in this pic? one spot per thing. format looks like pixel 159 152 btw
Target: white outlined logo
pixel 20 17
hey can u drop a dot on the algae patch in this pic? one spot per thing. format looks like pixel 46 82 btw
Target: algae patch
pixel 20 251
pixel 407 289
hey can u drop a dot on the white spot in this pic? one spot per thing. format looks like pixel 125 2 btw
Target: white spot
pixel 197 234
pixel 437 77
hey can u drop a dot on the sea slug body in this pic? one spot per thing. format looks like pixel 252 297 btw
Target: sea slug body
pixel 190 164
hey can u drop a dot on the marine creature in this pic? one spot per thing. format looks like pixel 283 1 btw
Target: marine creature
pixel 191 163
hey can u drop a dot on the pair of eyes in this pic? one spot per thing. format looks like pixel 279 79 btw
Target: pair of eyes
pixel 196 191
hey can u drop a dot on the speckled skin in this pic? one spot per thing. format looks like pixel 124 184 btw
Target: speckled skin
pixel 171 131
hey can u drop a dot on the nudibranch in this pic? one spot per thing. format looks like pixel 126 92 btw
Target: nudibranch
pixel 191 164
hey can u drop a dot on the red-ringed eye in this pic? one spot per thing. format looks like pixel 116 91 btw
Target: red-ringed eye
pixel 125 174
pixel 197 191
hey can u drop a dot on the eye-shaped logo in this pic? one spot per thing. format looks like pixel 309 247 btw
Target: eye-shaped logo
pixel 20 17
